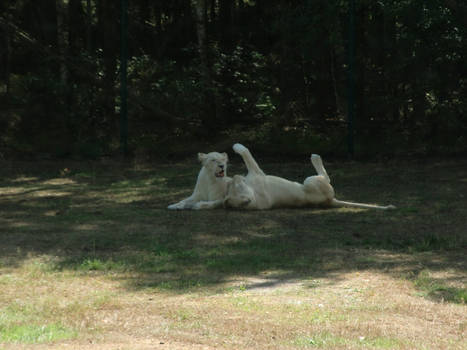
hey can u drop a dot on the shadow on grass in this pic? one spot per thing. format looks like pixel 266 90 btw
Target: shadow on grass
pixel 111 219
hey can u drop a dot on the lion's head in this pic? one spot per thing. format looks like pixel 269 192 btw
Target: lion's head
pixel 239 193
pixel 215 163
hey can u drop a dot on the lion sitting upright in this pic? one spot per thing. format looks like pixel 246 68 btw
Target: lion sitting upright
pixel 211 185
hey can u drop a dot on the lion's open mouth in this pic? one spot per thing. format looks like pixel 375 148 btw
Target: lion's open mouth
pixel 220 173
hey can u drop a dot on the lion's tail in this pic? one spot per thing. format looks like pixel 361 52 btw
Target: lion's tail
pixel 339 204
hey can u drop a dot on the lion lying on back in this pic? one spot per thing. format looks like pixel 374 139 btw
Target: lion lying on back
pixel 260 191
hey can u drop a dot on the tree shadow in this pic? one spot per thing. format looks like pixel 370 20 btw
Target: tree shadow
pixel 112 220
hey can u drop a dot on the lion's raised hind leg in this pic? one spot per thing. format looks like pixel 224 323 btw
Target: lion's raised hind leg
pixel 248 159
pixel 319 167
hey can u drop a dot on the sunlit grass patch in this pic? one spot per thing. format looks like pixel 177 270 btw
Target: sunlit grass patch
pixel 25 324
pixel 383 342
pixel 326 340
pixel 246 303
pixel 319 340
pixel 432 288
pixel 33 334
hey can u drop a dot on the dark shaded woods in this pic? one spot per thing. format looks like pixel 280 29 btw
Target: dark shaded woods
pixel 272 74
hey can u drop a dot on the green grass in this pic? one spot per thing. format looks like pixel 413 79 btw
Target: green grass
pixel 117 220
pixel 432 288
pixel 28 324
pixel 319 341
pixel 35 334
pixel 329 340
pixel 110 220
pixel 326 340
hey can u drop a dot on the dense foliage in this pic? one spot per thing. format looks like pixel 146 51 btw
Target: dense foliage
pixel 272 73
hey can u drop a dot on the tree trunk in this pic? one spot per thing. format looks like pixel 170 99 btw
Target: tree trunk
pixel 200 12
pixel 108 30
pixel 212 11
pixel 61 40
pixel 145 17
pixel 362 121
pixel 88 26
pixel 7 58
pixel 210 116
pixel 225 23
pixel 77 28
pixel 333 65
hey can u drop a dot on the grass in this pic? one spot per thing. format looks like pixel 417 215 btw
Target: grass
pixel 35 334
pixel 91 257
pixel 24 322
pixel 326 340
pixel 437 290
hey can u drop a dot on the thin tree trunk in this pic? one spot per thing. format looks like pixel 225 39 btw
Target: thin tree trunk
pixel 212 103
pixel 200 12
pixel 88 26
pixel 61 40
pixel 226 23
pixel 335 87
pixel 108 31
pixel 212 11
pixel 7 59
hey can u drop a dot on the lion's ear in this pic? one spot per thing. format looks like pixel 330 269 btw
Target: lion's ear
pixel 226 156
pixel 202 157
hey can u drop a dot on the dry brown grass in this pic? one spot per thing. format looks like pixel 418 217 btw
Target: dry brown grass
pixel 346 311
pixel 99 258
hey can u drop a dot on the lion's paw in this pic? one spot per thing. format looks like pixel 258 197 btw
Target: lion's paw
pixel 239 148
pixel 175 206
pixel 201 205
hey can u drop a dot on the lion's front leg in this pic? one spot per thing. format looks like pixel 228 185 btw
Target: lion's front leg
pixel 208 204
pixel 187 203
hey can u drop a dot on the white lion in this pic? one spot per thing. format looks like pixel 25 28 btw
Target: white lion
pixel 260 191
pixel 211 185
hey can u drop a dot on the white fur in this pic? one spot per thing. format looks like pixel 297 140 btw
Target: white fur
pixel 211 185
pixel 260 191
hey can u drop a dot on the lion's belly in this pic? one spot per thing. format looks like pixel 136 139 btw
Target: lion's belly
pixel 285 193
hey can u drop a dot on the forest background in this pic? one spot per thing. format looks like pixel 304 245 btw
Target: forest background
pixel 202 74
